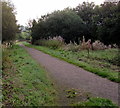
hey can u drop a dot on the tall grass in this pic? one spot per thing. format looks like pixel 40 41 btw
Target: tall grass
pixel 53 43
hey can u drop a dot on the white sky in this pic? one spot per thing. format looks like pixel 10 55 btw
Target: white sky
pixel 29 9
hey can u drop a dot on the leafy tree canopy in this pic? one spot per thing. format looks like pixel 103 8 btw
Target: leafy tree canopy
pixel 92 21
pixel 9 26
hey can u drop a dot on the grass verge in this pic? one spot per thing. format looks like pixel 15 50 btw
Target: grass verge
pixel 98 63
pixel 96 102
pixel 25 83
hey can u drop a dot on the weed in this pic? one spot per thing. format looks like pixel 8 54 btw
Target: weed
pixel 71 93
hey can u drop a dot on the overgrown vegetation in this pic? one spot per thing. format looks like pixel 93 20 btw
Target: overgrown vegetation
pixel 25 83
pixel 99 62
pixel 23 34
pixel 54 43
pixel 94 22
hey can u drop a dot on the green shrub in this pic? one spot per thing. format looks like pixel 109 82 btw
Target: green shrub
pixel 72 47
pixel 97 45
pixel 53 43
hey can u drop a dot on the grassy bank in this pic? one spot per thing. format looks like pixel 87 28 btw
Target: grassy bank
pixel 98 62
pixel 25 83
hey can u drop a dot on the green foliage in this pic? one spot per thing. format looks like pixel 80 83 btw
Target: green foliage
pixel 94 22
pixel 97 102
pixel 51 43
pixel 23 36
pixel 25 83
pixel 9 26
pixel 107 22
pixel 65 23
pixel 86 11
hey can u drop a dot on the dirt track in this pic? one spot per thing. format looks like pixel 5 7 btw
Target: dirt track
pixel 70 76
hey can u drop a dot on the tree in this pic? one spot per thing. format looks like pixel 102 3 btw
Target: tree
pixel 65 23
pixel 86 11
pixel 94 22
pixel 9 26
pixel 108 23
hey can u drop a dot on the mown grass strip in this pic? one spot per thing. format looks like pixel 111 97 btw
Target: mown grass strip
pixel 103 72
pixel 25 83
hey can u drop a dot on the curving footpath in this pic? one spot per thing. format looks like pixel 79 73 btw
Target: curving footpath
pixel 71 76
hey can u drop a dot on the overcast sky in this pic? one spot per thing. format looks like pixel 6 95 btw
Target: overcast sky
pixel 29 9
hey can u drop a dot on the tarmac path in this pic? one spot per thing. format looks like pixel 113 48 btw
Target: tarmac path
pixel 70 76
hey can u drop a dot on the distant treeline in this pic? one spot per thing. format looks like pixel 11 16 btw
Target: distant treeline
pixel 87 19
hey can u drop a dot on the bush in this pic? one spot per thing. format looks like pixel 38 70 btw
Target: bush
pixel 77 47
pixel 53 43
pixel 97 45
pixel 72 47
pixel 85 45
